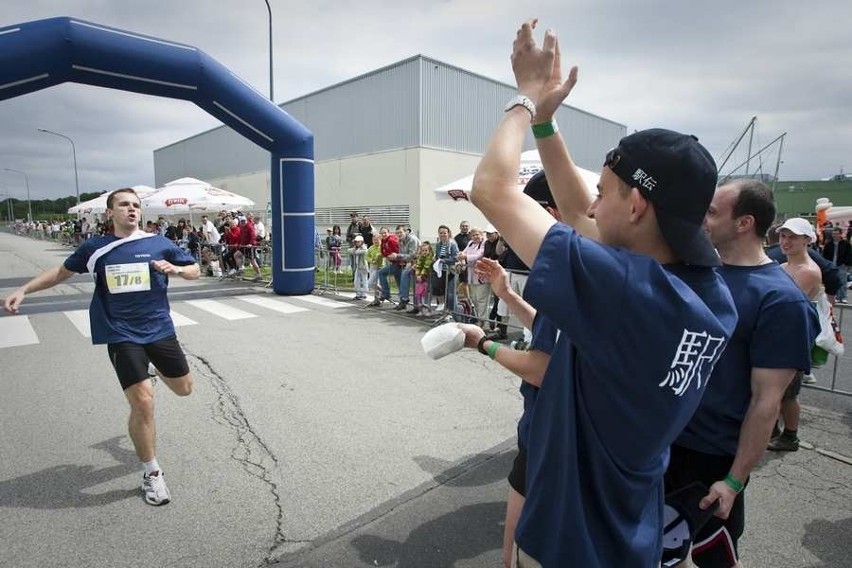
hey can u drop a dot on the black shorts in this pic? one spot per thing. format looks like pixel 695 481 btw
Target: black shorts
pixel 130 360
pixel 715 545
pixel 794 388
pixel 518 475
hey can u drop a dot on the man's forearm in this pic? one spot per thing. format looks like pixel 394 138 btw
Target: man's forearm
pixel 190 272
pixel 754 436
pixel 47 279
pixel 566 184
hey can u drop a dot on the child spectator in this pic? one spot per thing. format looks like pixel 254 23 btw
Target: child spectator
pixel 334 241
pixel 358 253
pixel 422 268
pixel 375 261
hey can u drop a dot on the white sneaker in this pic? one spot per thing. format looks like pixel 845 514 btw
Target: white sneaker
pixel 152 374
pixel 155 490
pixel 231 272
pixel 808 379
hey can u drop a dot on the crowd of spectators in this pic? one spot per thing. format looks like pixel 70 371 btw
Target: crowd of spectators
pixel 429 278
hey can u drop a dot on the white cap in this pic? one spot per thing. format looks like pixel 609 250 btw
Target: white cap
pixel 489 228
pixel 798 226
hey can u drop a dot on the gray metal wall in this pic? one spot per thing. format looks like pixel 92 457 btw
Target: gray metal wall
pixel 415 102
pixel 462 109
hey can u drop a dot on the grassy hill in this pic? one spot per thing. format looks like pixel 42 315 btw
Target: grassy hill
pixel 798 198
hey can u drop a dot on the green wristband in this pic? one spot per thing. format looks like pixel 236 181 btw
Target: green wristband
pixel 545 129
pixel 733 483
pixel 492 349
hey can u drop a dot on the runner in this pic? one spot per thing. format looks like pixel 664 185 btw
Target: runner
pixel 130 314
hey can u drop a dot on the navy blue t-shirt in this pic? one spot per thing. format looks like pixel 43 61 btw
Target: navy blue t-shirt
pixel 637 344
pixel 122 309
pixel 776 329
pixel 543 339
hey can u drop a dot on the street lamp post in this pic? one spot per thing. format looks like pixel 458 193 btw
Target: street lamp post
pixel 29 203
pixel 268 7
pixel 73 153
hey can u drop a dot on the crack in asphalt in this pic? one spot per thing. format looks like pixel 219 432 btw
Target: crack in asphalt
pixel 256 458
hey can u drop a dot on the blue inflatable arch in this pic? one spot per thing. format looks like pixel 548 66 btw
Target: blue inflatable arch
pixel 43 53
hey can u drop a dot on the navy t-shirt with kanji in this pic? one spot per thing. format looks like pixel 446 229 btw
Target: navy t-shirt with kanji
pixel 776 330
pixel 637 343
pixel 130 302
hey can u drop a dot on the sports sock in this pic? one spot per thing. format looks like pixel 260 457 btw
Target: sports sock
pixel 790 434
pixel 151 466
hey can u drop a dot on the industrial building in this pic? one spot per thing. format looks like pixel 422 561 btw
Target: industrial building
pixel 383 141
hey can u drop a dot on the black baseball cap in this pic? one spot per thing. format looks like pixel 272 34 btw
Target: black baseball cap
pixel 678 176
pixel 539 190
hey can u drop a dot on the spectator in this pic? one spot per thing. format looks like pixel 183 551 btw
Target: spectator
pixel 728 433
pixel 399 266
pixel 620 264
pixel 836 249
pixel 478 289
pixel 422 268
pixel 358 252
pixel 796 234
pixel 390 245
pixel 375 261
pixel 442 278
pixel 365 228
pixel 334 242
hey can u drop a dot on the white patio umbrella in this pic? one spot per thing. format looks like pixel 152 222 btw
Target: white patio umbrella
pixel 97 206
pixel 530 165
pixel 186 195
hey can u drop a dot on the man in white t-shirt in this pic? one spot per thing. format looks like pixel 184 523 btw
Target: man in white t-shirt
pixel 211 235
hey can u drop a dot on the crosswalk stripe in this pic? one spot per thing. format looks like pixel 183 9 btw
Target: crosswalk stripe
pixel 220 309
pixel 80 319
pixel 16 331
pixel 180 320
pixel 271 304
pixel 323 301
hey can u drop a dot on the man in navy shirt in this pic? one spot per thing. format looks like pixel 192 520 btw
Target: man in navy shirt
pixel 642 316
pixel 130 313
pixel 728 434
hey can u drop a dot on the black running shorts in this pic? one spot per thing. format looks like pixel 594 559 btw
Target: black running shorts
pixel 715 545
pixel 130 360
pixel 518 475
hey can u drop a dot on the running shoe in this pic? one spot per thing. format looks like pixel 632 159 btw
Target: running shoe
pixel 808 379
pixel 152 374
pixel 783 444
pixel 154 489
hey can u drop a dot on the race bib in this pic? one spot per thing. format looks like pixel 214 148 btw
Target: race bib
pixel 130 277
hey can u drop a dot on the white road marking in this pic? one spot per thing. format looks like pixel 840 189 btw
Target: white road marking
pixel 181 320
pixel 16 331
pixel 220 309
pixel 80 319
pixel 323 301
pixel 271 304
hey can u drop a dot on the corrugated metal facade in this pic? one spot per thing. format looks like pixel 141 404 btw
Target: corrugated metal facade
pixel 418 102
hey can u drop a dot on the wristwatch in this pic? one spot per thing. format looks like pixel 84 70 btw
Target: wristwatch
pixel 521 100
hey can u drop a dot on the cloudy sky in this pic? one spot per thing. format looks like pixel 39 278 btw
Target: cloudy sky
pixel 704 68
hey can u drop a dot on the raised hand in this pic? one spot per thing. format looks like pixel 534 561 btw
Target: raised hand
pixel 491 271
pixel 538 70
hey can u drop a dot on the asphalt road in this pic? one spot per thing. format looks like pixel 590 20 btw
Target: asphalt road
pixel 318 434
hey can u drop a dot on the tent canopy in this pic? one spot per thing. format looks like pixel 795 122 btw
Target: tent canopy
pixel 530 165
pixel 187 195
pixel 97 206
